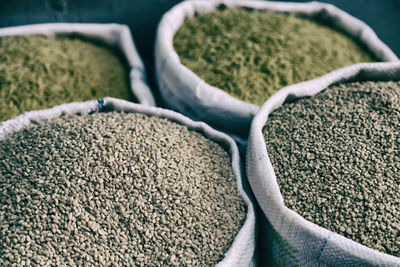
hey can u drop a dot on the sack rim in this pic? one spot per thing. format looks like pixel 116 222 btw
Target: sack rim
pixel 167 57
pixel 119 34
pixel 265 175
pixel 246 231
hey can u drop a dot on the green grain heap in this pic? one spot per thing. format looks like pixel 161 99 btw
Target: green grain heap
pixel 39 72
pixel 336 157
pixel 251 54
pixel 115 189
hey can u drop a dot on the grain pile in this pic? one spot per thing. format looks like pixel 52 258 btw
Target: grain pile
pixel 39 72
pixel 336 157
pixel 116 189
pixel 251 54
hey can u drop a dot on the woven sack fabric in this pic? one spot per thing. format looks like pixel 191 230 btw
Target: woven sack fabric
pixel 288 238
pixel 241 253
pixel 116 35
pixel 183 90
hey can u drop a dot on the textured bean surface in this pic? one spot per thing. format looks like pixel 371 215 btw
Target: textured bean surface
pixel 39 72
pixel 252 54
pixel 336 157
pixel 113 189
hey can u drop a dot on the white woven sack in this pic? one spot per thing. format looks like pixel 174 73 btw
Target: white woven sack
pixel 242 250
pixel 294 240
pixel 183 90
pixel 116 35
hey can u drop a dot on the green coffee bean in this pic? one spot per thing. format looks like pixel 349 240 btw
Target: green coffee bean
pixel 336 158
pixel 39 72
pixel 156 194
pixel 252 54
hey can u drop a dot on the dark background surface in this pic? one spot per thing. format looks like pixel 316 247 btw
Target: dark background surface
pixel 143 16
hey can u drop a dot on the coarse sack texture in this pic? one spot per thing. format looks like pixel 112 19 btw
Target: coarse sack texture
pixel 295 240
pixel 109 182
pixel 251 54
pixel 183 90
pixel 49 64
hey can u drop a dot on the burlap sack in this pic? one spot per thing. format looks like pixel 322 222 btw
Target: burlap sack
pixel 242 250
pixel 288 238
pixel 111 34
pixel 183 90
